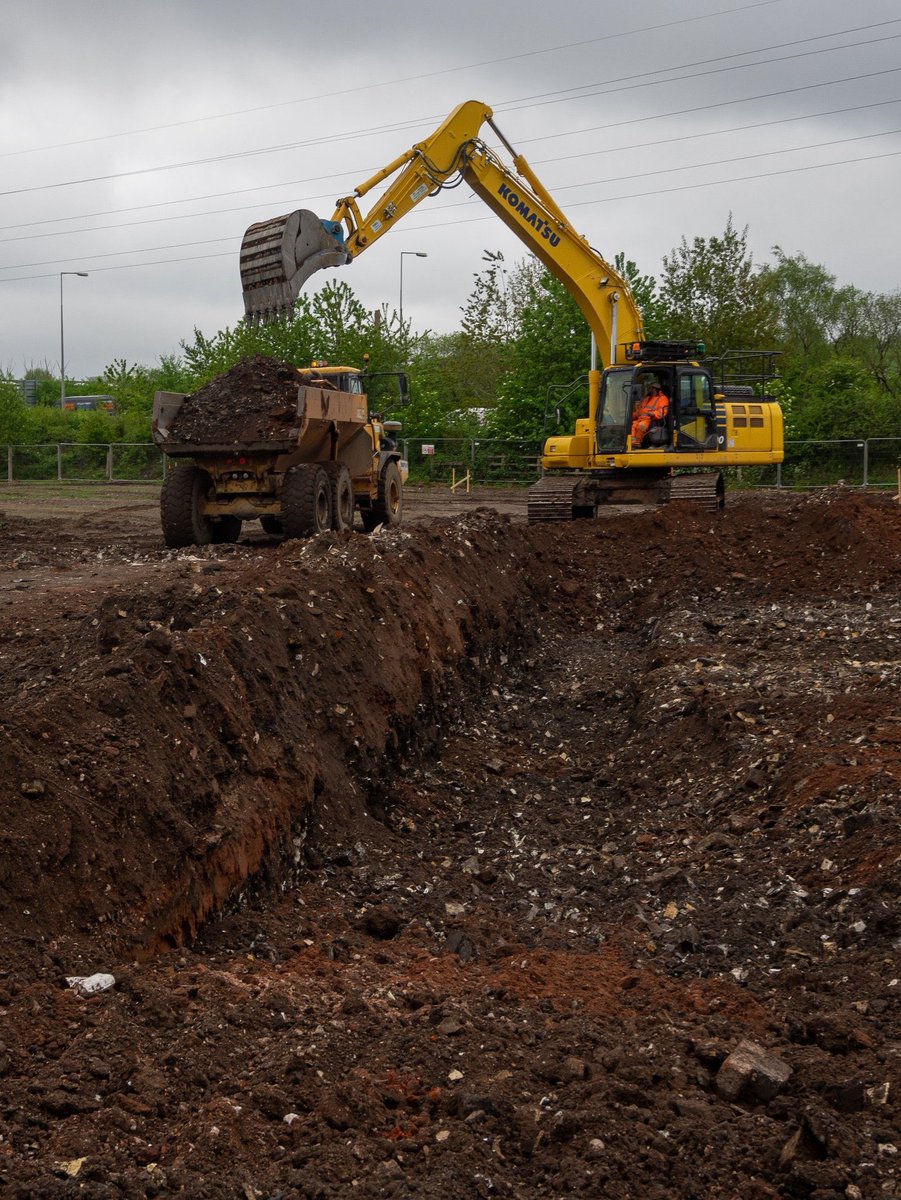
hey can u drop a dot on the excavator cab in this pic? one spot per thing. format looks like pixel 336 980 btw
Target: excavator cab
pixel 623 389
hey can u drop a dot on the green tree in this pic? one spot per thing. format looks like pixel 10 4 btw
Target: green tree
pixel 644 292
pixel 711 291
pixel 553 347
pixel 879 347
pixel 14 414
pixel 841 400
pixel 331 325
pixel 808 305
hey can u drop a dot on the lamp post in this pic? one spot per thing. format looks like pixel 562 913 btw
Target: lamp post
pixel 415 254
pixel 62 343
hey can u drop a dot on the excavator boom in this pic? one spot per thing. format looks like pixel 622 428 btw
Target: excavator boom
pixel 279 255
pixel 611 457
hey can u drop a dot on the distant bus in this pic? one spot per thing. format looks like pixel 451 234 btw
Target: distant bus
pixel 88 403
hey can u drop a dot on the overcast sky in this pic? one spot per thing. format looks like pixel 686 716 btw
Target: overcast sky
pixel 139 138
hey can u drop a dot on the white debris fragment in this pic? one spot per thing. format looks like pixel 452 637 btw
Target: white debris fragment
pixel 90 985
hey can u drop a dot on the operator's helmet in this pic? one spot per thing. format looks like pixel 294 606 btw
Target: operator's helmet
pixel 651 385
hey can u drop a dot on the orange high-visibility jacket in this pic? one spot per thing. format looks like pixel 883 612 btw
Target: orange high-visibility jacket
pixel 652 408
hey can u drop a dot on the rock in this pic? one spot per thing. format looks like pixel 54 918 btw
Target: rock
pixel 458 943
pixel 90 985
pixel 790 1149
pixel 716 841
pixel 382 923
pixel 573 1069
pixel 159 641
pixel 752 1070
pixel 451 1026
pixel 847 1097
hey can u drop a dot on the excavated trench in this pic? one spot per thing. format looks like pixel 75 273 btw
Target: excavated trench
pixel 457 858
pixel 177 741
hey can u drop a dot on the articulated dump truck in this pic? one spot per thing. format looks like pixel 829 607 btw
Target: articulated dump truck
pixel 296 449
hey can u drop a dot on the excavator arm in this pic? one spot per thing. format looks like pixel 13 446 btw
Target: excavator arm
pixel 279 255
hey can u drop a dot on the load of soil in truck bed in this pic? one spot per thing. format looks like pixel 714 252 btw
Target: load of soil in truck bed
pixel 471 859
pixel 255 401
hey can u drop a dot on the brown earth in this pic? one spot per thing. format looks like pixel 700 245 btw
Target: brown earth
pixel 455 860
pixel 254 401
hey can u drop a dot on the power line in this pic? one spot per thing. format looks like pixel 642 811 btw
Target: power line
pixel 559 98
pixel 518 105
pixel 684 112
pixel 566 187
pixel 368 170
pixel 689 187
pixel 406 79
pixel 689 137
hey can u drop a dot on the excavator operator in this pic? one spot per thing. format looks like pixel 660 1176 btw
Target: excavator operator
pixel 650 413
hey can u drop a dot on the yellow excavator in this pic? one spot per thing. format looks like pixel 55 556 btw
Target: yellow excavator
pixel 613 455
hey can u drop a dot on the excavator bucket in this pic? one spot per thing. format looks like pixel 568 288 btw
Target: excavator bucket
pixel 278 256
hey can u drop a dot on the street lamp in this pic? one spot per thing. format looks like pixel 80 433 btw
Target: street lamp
pixel 62 350
pixel 415 254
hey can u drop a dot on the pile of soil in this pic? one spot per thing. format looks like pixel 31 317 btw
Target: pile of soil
pixel 255 401
pixel 470 858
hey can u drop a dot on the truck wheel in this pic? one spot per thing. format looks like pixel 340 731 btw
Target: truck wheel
pixel 306 501
pixel 181 508
pixel 342 495
pixel 271 525
pixel 225 529
pixel 389 507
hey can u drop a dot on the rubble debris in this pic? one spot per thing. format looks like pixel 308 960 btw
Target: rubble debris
pixel 569 970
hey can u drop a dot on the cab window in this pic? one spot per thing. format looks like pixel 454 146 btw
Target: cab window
pixel 694 393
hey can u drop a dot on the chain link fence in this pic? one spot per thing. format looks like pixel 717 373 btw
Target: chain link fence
pixel 483 460
pixel 476 462
pixel 80 462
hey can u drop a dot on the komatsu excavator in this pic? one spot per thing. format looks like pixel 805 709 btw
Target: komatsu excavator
pixel 700 425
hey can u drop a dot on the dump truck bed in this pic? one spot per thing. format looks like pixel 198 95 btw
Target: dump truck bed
pixel 260 406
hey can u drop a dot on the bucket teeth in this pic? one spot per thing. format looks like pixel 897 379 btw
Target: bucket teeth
pixel 277 258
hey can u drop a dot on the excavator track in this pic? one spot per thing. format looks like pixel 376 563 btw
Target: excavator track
pixel 566 497
pixel 708 491
pixel 551 498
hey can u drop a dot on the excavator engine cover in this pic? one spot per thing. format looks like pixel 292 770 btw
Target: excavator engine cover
pixel 278 256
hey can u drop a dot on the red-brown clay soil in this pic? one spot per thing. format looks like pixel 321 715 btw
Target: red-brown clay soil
pixel 454 861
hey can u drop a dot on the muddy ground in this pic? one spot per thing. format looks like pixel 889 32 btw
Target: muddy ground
pixel 464 859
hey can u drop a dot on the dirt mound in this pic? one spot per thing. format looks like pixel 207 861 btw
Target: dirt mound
pixel 456 859
pixel 254 401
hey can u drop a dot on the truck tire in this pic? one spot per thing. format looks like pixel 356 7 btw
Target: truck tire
pixel 181 508
pixel 342 495
pixel 388 509
pixel 306 501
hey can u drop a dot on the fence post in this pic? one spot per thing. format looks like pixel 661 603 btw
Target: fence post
pixel 778 475
pixel 59 461
pixel 866 462
pixel 109 464
pixel 9 464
